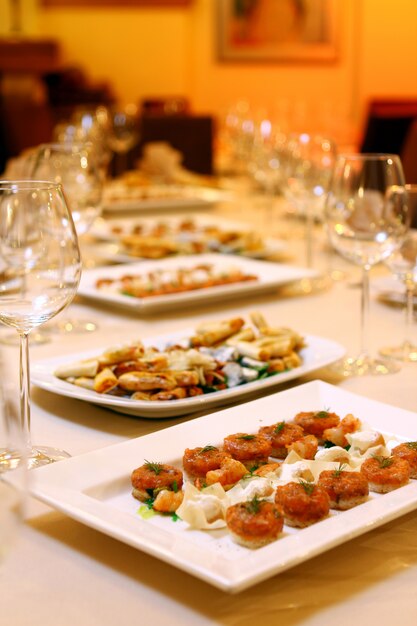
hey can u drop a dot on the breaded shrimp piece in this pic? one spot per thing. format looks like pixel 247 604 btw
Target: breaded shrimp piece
pixel 198 461
pixel 408 452
pixel 254 523
pixel 282 435
pixel 316 422
pixel 150 478
pixel 385 473
pixel 337 434
pixel 168 501
pixel 251 450
pixel 228 474
pixel 303 503
pixel 306 447
pixel 345 489
pixel 268 468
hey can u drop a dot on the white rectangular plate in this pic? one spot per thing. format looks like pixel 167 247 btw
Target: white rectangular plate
pixel 95 489
pixel 318 353
pixel 172 198
pixel 270 276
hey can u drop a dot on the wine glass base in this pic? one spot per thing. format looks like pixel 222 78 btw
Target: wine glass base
pixel 365 366
pixel 407 352
pixel 71 326
pixel 35 457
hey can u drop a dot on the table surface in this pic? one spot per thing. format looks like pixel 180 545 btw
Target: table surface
pixel 63 572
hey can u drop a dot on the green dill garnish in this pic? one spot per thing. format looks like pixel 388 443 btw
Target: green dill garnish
pixel 279 427
pixel 328 444
pixel 207 449
pixel 338 471
pixel 307 485
pixel 412 445
pixel 384 461
pixel 154 467
pixel 175 486
pixel 247 437
pixel 254 505
pixel 322 414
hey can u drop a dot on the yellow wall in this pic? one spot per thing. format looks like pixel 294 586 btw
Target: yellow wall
pixel 146 52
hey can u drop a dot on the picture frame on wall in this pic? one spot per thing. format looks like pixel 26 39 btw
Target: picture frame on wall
pixel 277 30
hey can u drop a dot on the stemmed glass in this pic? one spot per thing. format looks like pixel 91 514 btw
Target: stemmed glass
pixel 367 219
pixel 308 165
pixel 403 263
pixel 75 167
pixel 41 262
pixel 122 132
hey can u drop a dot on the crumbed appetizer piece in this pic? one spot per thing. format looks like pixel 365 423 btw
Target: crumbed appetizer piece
pixel 282 435
pixel 306 447
pixel 228 474
pixel 385 473
pixel 345 489
pixel 316 422
pixel 408 452
pixel 151 478
pixel 251 450
pixel 254 523
pixel 303 503
pixel 198 461
pixel 337 434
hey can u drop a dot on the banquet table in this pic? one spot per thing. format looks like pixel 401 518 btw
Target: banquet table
pixel 62 572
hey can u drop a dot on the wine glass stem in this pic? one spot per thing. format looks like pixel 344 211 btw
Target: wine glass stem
pixel 25 388
pixel 309 235
pixel 365 311
pixel 409 308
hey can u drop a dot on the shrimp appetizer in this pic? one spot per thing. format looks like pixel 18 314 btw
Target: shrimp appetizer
pixel 337 434
pixel 408 452
pixel 316 422
pixel 345 489
pixel 306 447
pixel 153 481
pixel 251 450
pixel 303 503
pixel 254 523
pixel 385 473
pixel 281 436
pixel 198 461
pixel 228 474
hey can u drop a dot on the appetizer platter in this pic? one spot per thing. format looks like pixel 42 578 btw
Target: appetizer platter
pixel 119 196
pixel 150 286
pixel 219 362
pixel 205 536
pixel 151 238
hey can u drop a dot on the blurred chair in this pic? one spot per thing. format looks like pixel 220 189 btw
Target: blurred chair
pixel 409 155
pixel 388 124
pixel 192 135
pixel 170 105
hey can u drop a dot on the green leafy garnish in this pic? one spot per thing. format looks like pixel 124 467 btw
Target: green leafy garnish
pixel 338 471
pixel 328 444
pixel 307 485
pixel 279 427
pixel 154 467
pixel 322 414
pixel 254 505
pixel 207 449
pixel 247 437
pixel 175 486
pixel 412 445
pixel 384 461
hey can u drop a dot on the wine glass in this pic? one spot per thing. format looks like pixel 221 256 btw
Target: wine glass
pixel 122 133
pixel 308 163
pixel 74 166
pixel 41 261
pixel 403 263
pixel 13 473
pixel 367 219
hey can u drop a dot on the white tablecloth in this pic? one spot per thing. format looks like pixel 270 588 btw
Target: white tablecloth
pixel 62 572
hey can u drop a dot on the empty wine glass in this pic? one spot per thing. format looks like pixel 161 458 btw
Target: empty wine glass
pixel 13 474
pixel 75 168
pixel 308 163
pixel 41 260
pixel 403 263
pixel 367 219
pixel 122 133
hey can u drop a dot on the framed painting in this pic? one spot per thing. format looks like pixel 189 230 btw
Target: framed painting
pixel 277 30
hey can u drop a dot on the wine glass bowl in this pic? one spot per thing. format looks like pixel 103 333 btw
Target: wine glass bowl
pixel 41 262
pixel 367 219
